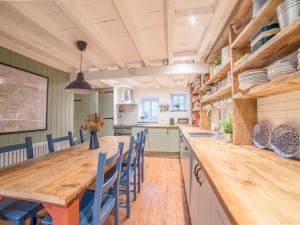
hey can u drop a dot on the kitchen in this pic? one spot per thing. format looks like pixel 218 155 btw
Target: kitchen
pixel 150 112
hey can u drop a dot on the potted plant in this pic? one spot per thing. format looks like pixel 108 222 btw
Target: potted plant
pixel 226 125
pixel 94 123
pixel 177 106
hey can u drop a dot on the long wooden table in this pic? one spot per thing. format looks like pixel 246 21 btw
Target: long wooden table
pixel 58 180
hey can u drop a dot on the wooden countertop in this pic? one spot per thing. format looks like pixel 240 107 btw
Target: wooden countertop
pixel 58 177
pixel 254 186
pixel 156 126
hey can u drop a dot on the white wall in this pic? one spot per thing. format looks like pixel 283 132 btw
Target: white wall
pixel 132 113
pixel 280 109
pixel 226 112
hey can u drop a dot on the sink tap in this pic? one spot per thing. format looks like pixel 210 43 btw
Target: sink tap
pixel 218 128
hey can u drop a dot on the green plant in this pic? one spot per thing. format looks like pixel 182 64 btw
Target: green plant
pixel 226 125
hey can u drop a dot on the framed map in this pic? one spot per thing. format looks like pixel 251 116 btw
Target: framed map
pixel 23 100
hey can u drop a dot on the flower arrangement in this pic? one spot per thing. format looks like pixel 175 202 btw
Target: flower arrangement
pixel 94 122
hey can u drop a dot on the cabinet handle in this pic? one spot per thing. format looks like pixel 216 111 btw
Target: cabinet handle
pixel 167 131
pixel 186 148
pixel 195 170
pixel 197 176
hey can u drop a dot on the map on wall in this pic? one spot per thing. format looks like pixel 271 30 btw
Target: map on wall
pixel 23 101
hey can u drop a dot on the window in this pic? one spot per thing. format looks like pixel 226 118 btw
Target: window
pixel 178 99
pixel 150 109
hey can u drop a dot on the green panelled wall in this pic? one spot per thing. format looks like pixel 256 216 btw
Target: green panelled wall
pixel 60 103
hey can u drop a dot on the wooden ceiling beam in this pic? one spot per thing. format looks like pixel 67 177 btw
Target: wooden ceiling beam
pixel 170 6
pixel 128 20
pixel 31 53
pixel 35 16
pixel 80 18
pixel 37 43
pixel 175 69
pixel 222 14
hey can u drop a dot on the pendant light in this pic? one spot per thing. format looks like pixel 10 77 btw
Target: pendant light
pixel 80 85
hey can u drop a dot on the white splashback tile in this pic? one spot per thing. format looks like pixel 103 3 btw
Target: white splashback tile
pixel 280 109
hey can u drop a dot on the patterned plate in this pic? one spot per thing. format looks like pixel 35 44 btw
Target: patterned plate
pixel 261 135
pixel 285 141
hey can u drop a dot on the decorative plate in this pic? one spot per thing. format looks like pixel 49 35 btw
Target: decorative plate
pixel 285 141
pixel 261 135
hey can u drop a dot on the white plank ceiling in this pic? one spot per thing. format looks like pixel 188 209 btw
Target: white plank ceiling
pixel 119 33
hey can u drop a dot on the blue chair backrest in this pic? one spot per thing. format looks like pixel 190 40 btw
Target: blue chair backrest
pixel 52 140
pixel 100 216
pixel 27 145
pixel 140 137
pixel 83 134
pixel 131 157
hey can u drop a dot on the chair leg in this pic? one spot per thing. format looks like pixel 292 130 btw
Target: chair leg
pixel 116 212
pixel 128 197
pixel 33 220
pixel 142 170
pixel 134 184
pixel 139 177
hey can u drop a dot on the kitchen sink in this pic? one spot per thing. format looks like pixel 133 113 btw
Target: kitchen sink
pixel 201 134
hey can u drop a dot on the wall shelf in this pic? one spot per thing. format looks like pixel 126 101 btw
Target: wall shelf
pixel 283 43
pixel 282 84
pixel 222 73
pixel 196 90
pixel 220 93
pixel 265 15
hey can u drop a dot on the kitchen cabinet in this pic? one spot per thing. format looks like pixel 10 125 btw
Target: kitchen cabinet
pixel 174 140
pixel 204 206
pixel 163 140
pixel 185 158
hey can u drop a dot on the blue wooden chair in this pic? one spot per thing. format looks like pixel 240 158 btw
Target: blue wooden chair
pixel 16 211
pixel 140 159
pixel 95 206
pixel 52 140
pixel 128 173
pixel 83 134
pixel 143 154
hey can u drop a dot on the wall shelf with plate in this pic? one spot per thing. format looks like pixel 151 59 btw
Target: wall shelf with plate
pixel 283 83
pixel 217 95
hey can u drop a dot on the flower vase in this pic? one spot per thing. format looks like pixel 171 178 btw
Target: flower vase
pixel 94 143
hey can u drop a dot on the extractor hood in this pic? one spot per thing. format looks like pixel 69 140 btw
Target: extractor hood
pixel 124 96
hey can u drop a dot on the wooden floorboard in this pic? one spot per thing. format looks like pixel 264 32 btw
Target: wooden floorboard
pixel 162 199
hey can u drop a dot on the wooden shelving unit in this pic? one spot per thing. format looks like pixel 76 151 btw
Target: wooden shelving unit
pixel 282 84
pixel 220 93
pixel 222 73
pixel 265 16
pixel 244 103
pixel 196 90
pixel 283 43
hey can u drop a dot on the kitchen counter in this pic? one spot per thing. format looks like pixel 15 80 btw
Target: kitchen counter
pixel 146 125
pixel 254 186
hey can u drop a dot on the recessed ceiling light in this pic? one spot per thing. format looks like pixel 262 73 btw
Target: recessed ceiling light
pixel 192 20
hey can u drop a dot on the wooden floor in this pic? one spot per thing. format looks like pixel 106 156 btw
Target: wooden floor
pixel 162 198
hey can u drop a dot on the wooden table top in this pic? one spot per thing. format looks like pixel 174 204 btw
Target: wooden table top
pixel 59 177
pixel 254 186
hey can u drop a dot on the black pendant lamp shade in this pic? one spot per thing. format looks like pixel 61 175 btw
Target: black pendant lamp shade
pixel 80 85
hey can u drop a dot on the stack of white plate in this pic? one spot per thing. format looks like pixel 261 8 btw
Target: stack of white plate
pixel 288 12
pixel 281 68
pixel 252 78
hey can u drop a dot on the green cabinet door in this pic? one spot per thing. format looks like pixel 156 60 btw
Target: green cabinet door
pixel 174 140
pixel 159 140
pixel 106 109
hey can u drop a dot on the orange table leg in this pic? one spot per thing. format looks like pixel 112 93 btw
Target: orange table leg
pixel 64 215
